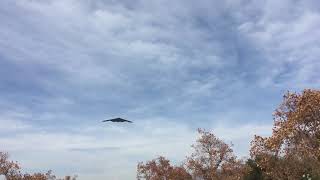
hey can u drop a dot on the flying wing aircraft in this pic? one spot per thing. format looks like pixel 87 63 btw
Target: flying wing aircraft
pixel 117 120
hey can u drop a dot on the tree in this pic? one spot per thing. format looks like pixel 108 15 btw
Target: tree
pixel 293 149
pixel 8 168
pixel 213 159
pixel 254 172
pixel 160 169
pixel 11 171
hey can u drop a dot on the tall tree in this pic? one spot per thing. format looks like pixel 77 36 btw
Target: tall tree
pixel 293 149
pixel 213 159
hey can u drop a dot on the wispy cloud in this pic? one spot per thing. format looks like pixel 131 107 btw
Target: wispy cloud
pixel 170 66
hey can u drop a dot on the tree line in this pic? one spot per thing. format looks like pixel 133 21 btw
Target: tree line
pixel 292 152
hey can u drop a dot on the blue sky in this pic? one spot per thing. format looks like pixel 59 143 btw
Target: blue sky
pixel 170 66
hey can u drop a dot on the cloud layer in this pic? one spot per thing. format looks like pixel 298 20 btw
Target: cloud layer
pixel 169 66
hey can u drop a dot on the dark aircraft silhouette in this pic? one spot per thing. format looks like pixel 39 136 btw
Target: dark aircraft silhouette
pixel 117 120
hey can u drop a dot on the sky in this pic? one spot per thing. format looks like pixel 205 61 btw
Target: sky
pixel 169 66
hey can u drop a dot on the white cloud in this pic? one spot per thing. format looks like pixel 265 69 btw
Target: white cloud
pixel 286 33
pixel 8 125
pixel 109 146
pixel 68 63
pixel 13 122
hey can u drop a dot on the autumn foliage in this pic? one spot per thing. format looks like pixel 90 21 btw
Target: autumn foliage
pixel 213 159
pixel 292 152
pixel 12 171
pixel 161 169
